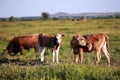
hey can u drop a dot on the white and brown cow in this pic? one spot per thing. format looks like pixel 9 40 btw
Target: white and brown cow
pixel 49 42
pixel 89 43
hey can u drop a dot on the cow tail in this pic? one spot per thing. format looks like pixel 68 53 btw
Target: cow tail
pixel 107 41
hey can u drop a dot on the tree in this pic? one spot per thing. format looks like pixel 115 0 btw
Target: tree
pixel 4 19
pixel 12 18
pixel 45 15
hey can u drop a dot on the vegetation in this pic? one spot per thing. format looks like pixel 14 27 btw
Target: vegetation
pixel 45 15
pixel 64 16
pixel 28 66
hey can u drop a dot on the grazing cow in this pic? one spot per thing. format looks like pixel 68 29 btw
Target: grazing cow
pixel 17 44
pixel 49 41
pixel 89 43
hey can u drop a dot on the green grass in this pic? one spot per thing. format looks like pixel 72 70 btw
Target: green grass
pixel 28 66
pixel 60 72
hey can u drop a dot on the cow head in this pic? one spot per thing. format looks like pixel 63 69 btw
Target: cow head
pixel 59 38
pixel 78 40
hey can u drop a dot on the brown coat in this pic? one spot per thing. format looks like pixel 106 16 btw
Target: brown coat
pixel 17 44
pixel 89 43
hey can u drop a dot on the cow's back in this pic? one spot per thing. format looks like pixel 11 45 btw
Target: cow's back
pixel 95 37
pixel 27 40
pixel 46 40
pixel 95 41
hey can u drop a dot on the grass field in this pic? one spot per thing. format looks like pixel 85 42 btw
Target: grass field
pixel 28 66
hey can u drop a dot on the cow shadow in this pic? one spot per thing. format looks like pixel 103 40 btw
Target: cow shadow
pixel 19 62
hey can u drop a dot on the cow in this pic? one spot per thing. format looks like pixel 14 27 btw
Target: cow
pixel 88 43
pixel 17 44
pixel 49 42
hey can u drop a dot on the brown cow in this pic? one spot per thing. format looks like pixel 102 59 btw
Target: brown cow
pixel 17 44
pixel 49 41
pixel 89 43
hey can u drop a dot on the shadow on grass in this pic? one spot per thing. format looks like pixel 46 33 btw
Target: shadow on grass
pixel 17 61
pixel 37 62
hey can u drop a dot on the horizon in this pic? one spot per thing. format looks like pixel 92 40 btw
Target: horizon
pixel 64 12
pixel 20 8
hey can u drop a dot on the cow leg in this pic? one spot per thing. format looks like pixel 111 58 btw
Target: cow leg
pixel 76 57
pixel 106 53
pixel 35 49
pixel 98 56
pixel 53 54
pixel 81 56
pixel 57 53
pixel 21 50
pixel 42 50
pixel 14 53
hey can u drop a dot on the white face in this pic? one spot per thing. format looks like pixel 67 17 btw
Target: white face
pixel 59 38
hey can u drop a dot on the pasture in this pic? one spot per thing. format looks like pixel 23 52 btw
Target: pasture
pixel 28 66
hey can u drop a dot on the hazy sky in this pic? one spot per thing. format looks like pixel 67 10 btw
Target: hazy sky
pixel 19 8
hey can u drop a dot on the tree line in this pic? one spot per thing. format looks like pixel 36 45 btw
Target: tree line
pixel 46 16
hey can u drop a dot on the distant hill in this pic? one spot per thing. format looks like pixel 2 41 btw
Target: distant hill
pixel 59 14
pixel 94 14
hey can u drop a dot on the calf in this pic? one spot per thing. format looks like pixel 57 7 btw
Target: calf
pixel 49 41
pixel 89 43
pixel 17 44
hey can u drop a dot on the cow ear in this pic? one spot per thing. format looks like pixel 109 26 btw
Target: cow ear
pixel 73 37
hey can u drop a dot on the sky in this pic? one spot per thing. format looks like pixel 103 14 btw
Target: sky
pixel 20 8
